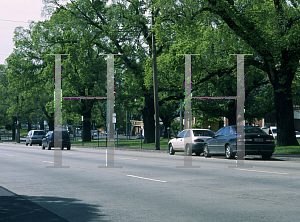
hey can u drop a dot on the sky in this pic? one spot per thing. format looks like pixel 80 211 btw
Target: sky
pixel 19 13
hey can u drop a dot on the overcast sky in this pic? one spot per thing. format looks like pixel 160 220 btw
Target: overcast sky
pixel 18 12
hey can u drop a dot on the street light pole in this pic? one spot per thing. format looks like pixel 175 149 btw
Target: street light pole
pixel 156 112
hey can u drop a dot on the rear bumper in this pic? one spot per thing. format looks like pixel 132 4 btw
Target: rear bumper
pixel 35 141
pixel 64 144
pixel 256 149
pixel 198 147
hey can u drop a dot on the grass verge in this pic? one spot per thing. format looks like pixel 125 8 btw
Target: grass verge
pixel 126 143
pixel 287 149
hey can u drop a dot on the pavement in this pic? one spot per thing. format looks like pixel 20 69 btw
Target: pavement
pixel 15 208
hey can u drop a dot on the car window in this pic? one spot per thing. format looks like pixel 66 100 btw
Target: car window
pixel 38 133
pixel 231 130
pixel 274 130
pixel 218 133
pixel 297 133
pixel 180 135
pixel 203 133
pixel 188 134
pixel 65 134
pixel 226 131
pixel 254 130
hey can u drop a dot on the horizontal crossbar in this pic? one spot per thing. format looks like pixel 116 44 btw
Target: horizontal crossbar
pixel 85 97
pixel 214 97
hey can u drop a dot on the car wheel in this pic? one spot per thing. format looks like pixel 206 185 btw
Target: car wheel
pixel 188 150
pixel 228 152
pixel 206 151
pixel 61 147
pixel 171 150
pixel 266 156
pixel 43 147
pixel 68 147
pixel 49 147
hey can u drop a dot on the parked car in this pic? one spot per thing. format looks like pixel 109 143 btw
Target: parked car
pixel 190 141
pixel 94 136
pixel 273 131
pixel 257 142
pixel 34 137
pixel 48 140
pixel 139 136
pixel 297 135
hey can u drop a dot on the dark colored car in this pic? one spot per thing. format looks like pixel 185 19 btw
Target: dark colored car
pixel 257 142
pixel 34 137
pixel 48 141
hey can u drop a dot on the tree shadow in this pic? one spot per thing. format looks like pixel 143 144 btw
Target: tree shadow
pixel 15 208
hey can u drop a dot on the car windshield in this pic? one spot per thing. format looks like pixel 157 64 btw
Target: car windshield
pixel 38 133
pixel 203 133
pixel 65 134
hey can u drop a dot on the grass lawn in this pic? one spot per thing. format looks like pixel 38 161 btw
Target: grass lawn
pixel 164 145
pixel 287 149
pixel 126 143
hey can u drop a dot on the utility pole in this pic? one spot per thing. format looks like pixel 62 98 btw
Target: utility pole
pixel 157 137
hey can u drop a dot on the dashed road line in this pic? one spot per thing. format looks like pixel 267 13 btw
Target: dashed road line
pixel 145 178
pixel 260 171
pixel 127 158
pixel 48 162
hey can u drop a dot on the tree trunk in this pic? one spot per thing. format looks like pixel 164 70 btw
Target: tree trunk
pixel 167 123
pixel 148 119
pixel 231 113
pixel 87 113
pixel 51 122
pixel 284 117
pixel 29 126
pixel 42 126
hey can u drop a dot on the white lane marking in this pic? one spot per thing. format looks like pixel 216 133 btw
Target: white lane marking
pixel 145 178
pixel 127 159
pixel 9 155
pixel 48 162
pixel 262 171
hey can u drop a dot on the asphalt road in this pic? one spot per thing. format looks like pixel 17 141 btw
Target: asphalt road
pixel 149 186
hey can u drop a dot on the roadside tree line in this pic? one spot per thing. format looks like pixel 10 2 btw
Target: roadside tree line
pixel 213 29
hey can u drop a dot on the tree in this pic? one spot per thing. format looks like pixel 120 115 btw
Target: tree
pixel 268 30
pixel 4 96
pixel 134 43
pixel 271 29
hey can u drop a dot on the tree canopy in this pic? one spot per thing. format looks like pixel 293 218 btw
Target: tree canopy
pixel 213 29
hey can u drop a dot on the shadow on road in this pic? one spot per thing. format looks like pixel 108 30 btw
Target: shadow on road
pixel 15 208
